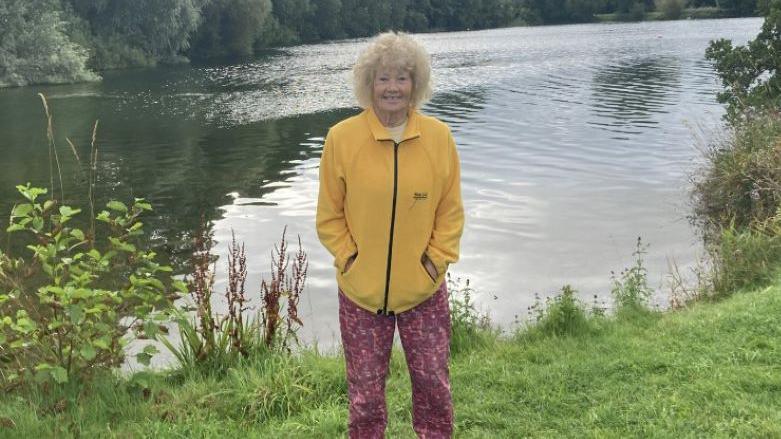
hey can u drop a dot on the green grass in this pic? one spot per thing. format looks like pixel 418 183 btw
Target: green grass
pixel 713 370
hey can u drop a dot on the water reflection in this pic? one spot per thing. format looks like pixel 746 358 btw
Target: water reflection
pixel 629 96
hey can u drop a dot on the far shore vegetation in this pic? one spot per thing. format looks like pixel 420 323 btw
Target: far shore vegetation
pixel 67 41
pixel 78 286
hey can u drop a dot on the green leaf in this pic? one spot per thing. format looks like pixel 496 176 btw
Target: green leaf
pixel 37 224
pixel 151 329
pixel 180 286
pixel 117 205
pixel 48 205
pixel 144 358
pixel 135 227
pixel 59 374
pixel 142 204
pixel 120 245
pixel 104 216
pixel 21 210
pixel 88 352
pixel 23 324
pixel 155 282
pixel 14 228
pixel 31 193
pixel 100 343
pixel 67 211
pixel 78 234
pixel 76 314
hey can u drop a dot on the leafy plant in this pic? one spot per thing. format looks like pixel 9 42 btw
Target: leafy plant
pixel 630 288
pixel 69 308
pixel 750 73
pixel 468 325
pixel 564 314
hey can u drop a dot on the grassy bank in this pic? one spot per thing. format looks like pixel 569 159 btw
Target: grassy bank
pixel 712 370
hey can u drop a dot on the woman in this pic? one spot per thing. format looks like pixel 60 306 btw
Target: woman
pixel 390 212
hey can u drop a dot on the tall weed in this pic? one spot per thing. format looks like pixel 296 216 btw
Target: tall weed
pixel 469 327
pixel 630 288
pixel 212 343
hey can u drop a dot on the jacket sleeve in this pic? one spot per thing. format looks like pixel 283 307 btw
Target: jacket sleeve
pixel 449 219
pixel 332 226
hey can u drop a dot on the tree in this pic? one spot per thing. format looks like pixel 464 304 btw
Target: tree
pixel 328 18
pixel 671 9
pixel 582 10
pixel 739 8
pixel 34 48
pixel 230 28
pixel 750 73
pixel 140 32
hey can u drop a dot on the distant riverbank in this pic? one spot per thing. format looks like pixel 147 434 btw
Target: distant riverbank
pixel 68 41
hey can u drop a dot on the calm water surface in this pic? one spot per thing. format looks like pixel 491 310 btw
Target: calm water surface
pixel 574 141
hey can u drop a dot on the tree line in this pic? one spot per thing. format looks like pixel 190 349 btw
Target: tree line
pixel 57 41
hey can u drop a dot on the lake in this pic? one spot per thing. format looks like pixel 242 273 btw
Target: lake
pixel 574 140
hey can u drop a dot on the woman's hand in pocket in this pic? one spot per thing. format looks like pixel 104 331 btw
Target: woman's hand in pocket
pixel 430 268
pixel 349 263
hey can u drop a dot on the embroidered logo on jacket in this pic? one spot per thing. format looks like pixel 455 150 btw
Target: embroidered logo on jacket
pixel 418 196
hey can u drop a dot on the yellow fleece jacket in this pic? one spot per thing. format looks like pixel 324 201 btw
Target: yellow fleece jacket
pixel 389 204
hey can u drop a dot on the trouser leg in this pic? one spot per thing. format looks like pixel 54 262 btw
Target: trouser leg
pixel 425 336
pixel 367 339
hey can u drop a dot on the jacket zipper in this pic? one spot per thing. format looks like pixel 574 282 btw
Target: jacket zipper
pixel 384 310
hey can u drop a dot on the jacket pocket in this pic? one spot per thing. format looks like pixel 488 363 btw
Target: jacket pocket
pixel 352 268
pixel 428 277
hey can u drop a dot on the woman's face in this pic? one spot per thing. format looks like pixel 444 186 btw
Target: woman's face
pixel 392 90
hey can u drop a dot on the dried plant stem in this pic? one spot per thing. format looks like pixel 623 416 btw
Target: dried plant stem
pixel 52 150
pixel 73 149
pixel 235 294
pixel 93 177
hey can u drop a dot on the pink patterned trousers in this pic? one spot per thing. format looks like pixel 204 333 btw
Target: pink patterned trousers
pixel 425 336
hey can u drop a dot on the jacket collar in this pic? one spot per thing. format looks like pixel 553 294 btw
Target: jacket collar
pixel 381 133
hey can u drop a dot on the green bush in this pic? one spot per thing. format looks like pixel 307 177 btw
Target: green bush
pixel 750 73
pixel 740 183
pixel 671 9
pixel 746 257
pixel 564 314
pixel 68 310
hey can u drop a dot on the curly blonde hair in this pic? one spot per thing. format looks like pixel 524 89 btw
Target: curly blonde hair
pixel 393 50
